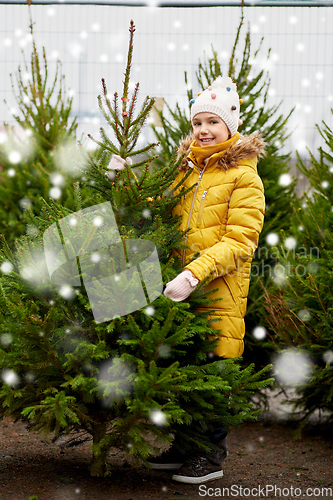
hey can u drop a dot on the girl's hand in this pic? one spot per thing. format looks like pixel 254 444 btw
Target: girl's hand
pixel 180 288
pixel 117 163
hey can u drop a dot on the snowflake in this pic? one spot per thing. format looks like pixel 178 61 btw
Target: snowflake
pixel 28 273
pixel 158 417
pixel 6 339
pixel 279 275
pixel 67 292
pixel 259 332
pixel 57 180
pixel 11 172
pixel 6 267
pixel 285 180
pixel 98 221
pixel 150 311
pixel 304 315
pixel 14 157
pixel 292 367
pixel 272 239
pixel 55 193
pixel 30 377
pixel 95 257
pixel 290 243
pixel 328 357
pixel 9 377
pixel 146 213
pixel 114 379
pixel 25 203
pixel 171 46
pixel 164 351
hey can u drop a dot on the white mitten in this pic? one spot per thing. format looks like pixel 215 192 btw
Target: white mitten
pixel 180 288
pixel 117 163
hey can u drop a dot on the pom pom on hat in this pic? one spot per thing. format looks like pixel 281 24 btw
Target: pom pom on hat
pixel 224 82
pixel 222 99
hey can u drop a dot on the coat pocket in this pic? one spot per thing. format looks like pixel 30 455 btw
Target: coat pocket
pixel 233 287
pixel 201 207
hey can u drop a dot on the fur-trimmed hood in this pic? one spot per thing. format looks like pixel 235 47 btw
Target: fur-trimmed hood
pixel 247 147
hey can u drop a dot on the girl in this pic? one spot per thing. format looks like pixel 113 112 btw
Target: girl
pixel 225 211
pixel 224 215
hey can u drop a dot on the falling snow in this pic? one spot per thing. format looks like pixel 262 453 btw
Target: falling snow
pixel 6 339
pixel 279 275
pixel 14 157
pixel 30 377
pixel 55 193
pixel 290 243
pixel 158 417
pixel 259 332
pixel 304 315
pixel 150 311
pixel 11 172
pixel 164 351
pixel 95 257
pixel 25 203
pixel 146 213
pixel 67 292
pixel 9 377
pixel 6 267
pixel 292 367
pixel 98 221
pixel 328 357
pixel 33 268
pixel 57 180
pixel 285 180
pixel 114 379
pixel 272 239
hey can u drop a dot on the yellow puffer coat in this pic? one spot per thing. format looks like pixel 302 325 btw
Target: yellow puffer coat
pixel 225 214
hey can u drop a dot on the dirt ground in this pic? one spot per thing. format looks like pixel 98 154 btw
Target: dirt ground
pixel 265 461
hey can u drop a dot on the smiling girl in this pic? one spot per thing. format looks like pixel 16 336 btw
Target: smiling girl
pixel 223 216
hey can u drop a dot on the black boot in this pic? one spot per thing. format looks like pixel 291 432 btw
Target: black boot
pixel 203 467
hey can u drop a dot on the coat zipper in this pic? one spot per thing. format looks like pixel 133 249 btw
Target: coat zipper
pixel 190 214
pixel 202 204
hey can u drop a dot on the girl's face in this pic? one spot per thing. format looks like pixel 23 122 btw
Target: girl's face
pixel 209 129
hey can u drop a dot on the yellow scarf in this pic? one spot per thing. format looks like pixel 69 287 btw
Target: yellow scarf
pixel 198 154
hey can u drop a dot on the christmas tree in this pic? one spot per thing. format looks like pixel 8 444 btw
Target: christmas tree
pixel 257 115
pixel 38 156
pixel 91 345
pixel 299 302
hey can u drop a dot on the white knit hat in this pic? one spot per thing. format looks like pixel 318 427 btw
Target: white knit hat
pixel 220 98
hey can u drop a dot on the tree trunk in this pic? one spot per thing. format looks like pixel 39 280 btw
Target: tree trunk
pixel 100 453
